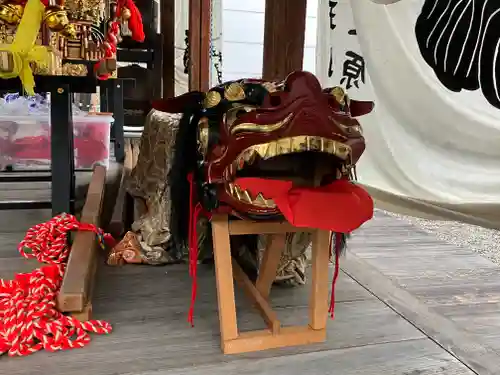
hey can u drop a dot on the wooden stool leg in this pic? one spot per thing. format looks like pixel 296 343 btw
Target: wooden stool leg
pixel 270 263
pixel 318 305
pixel 224 278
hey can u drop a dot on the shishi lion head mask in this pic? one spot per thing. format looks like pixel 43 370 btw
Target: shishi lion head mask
pixel 244 139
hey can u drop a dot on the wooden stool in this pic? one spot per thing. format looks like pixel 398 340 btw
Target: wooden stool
pixel 275 336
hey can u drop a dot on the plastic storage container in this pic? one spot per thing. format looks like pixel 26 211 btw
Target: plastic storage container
pixel 25 141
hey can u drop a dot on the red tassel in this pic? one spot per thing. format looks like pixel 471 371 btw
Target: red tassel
pixel 194 214
pixel 135 24
pixel 135 21
pixel 338 244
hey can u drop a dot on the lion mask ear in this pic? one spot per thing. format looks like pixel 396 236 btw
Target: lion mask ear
pixel 360 108
pixel 179 104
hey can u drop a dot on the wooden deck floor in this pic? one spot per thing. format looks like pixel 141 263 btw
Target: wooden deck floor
pixel 370 335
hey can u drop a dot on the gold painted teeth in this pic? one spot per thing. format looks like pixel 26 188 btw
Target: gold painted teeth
pixel 290 145
pixel 246 158
pixel 244 196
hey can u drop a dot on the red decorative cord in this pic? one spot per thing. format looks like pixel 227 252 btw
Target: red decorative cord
pixel 29 319
pixel 338 245
pixel 113 34
pixel 194 213
pixel 109 46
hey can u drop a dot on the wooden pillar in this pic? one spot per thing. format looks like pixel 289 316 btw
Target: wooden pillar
pixel 284 36
pixel 167 19
pixel 199 44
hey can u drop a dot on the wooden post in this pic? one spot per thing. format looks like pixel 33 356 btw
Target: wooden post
pixel 167 17
pixel 199 44
pixel 284 37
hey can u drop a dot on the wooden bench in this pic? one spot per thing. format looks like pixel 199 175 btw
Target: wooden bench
pixel 233 341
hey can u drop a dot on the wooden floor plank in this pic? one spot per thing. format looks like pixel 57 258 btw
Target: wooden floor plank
pixel 389 359
pixel 455 282
pixel 9 242
pixel 148 308
pixel 26 194
pixel 21 220
pixel 447 333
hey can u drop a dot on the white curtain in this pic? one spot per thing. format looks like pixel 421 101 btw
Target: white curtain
pixel 430 152
pixel 181 25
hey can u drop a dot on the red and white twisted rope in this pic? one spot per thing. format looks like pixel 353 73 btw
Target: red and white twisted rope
pixel 29 319
pixel 109 47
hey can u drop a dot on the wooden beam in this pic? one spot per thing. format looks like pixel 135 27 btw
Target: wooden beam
pixel 261 303
pixel 241 227
pixel 78 280
pixel 167 18
pixel 199 44
pixel 284 37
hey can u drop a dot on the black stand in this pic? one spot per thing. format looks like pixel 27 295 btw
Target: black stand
pixel 62 151
pixel 112 101
pixel 62 155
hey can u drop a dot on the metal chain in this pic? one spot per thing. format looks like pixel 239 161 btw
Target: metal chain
pixel 186 52
pixel 215 56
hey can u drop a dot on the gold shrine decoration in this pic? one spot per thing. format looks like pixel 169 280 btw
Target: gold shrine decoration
pixel 54 64
pixel 56 19
pixel 55 16
pixel 86 10
pixel 75 70
pixel 23 51
pixel 11 13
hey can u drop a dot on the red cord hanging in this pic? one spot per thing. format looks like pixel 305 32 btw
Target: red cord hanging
pixel 337 249
pixel 194 213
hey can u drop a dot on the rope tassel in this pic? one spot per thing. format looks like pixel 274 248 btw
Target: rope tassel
pixel 337 249
pixel 29 320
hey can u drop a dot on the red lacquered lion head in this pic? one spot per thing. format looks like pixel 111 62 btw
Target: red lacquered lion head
pixel 291 130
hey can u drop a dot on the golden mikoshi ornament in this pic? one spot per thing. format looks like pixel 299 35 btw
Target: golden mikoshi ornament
pixel 56 19
pixel 212 98
pixel 234 92
pixel 86 10
pixel 11 13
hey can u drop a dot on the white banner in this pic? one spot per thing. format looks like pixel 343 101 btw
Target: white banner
pixel 430 152
pixel 340 61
